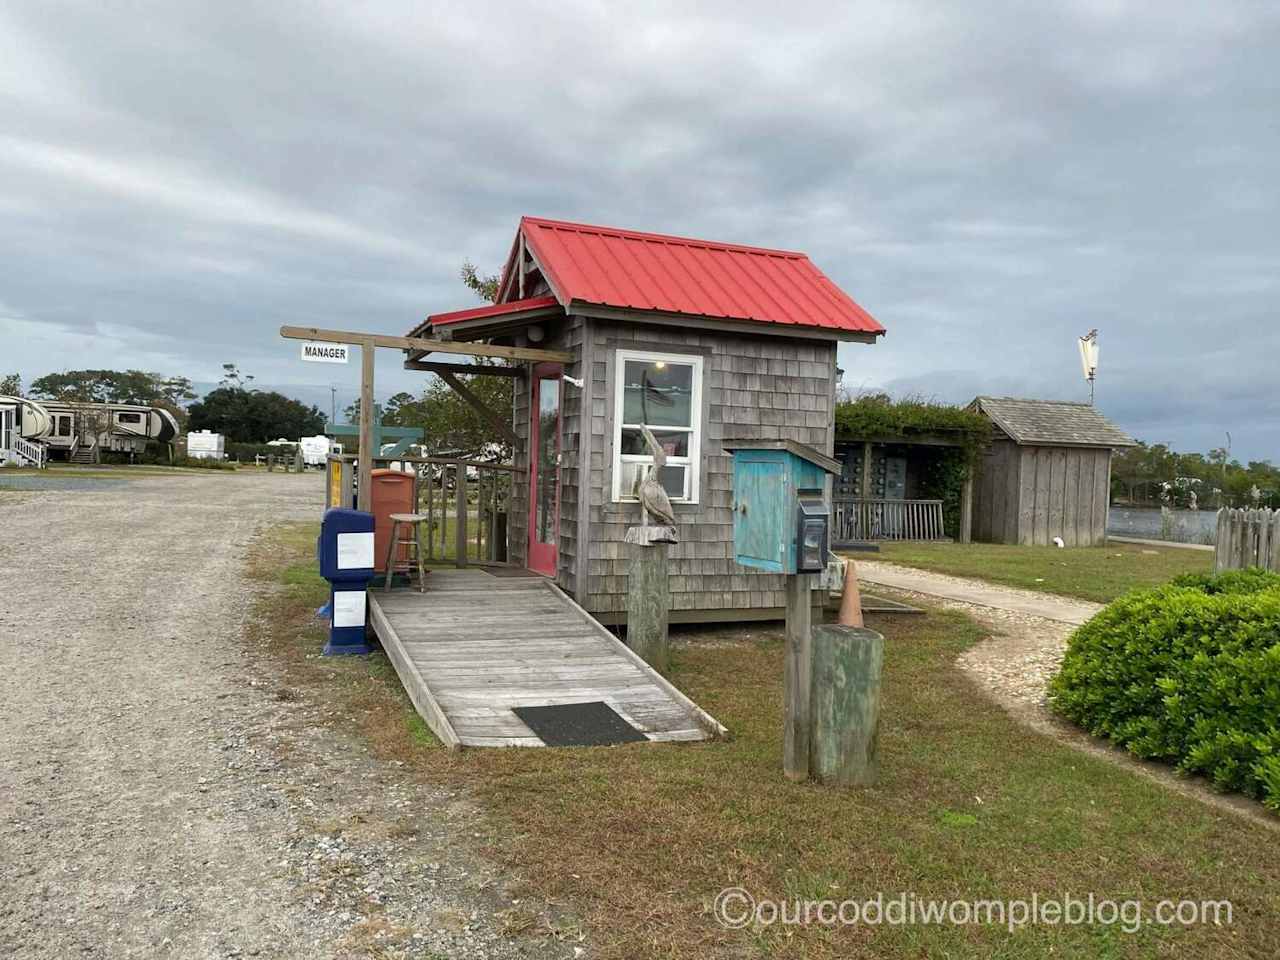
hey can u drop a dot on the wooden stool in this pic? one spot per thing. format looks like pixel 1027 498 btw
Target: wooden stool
pixel 413 520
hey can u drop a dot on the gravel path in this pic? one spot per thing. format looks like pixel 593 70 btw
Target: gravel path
pixel 160 794
pixel 1046 606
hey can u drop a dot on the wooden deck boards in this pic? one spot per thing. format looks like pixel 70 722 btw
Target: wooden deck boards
pixel 473 646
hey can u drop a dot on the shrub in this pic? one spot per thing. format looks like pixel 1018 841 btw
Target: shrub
pixel 1188 673
pixel 205 464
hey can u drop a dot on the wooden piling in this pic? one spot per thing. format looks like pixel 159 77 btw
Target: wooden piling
pixel 649 605
pixel 845 701
pixel 797 678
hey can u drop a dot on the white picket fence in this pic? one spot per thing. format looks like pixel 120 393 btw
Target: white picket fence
pixel 1247 538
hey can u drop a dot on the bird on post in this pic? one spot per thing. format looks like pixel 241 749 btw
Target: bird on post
pixel 653 498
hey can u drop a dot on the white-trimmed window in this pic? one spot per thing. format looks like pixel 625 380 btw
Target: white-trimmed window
pixel 664 392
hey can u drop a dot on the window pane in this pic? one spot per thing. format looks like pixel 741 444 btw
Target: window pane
pixel 671 478
pixel 548 441
pixel 657 392
pixel 674 442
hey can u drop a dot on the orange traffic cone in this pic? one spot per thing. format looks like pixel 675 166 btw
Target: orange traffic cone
pixel 851 599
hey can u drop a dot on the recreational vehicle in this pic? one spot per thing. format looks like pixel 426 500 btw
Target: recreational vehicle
pixel 22 423
pixel 82 431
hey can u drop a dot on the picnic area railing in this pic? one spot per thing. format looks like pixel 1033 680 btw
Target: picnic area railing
pixel 467 504
pixel 859 519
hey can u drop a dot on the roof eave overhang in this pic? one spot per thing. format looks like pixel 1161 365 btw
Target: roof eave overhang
pixel 1081 444
pixel 726 324
pixel 480 326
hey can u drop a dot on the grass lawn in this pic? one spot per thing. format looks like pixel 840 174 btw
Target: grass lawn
pixel 1090 573
pixel 637 841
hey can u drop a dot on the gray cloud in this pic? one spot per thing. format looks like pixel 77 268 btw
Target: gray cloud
pixel 179 180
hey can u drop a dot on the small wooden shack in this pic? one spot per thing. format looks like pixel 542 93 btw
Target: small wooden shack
pixel 1046 474
pixel 702 341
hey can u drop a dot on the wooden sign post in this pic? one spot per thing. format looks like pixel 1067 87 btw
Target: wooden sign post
pixel 364 466
pixel 417 347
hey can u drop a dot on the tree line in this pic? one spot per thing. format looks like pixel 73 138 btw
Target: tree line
pixel 245 414
pixel 235 408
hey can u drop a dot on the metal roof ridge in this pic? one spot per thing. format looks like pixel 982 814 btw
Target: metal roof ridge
pixel 623 232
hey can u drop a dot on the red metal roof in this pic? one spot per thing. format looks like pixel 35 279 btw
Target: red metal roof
pixel 492 310
pixel 647 271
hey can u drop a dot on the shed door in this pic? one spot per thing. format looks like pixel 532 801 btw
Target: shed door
pixel 8 427
pixel 544 468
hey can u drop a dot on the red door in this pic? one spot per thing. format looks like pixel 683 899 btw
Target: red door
pixel 544 468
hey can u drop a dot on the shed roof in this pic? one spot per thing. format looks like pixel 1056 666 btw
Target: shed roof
pixel 605 266
pixel 1052 423
pixel 490 310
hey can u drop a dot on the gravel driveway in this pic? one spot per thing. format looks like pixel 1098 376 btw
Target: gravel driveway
pixel 158 796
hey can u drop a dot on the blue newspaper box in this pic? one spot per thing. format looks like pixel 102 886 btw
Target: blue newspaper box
pixel 345 551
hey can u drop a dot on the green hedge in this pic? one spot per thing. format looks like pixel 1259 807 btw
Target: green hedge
pixel 878 417
pixel 1188 673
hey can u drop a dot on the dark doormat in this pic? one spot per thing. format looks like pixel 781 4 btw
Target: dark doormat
pixel 593 724
pixel 500 571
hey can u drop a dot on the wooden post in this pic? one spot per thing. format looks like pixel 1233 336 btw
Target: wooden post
pixel 649 595
pixel 797 677
pixel 847 663
pixel 364 478
pixel 966 506
pixel 866 474
pixel 431 515
pixel 460 533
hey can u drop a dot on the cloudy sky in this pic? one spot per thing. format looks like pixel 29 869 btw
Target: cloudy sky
pixel 990 180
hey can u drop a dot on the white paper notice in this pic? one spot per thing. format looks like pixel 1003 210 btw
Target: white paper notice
pixel 355 551
pixel 348 608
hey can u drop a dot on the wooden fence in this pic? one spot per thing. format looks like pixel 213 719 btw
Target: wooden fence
pixel 1247 538
pixel 466 503
pixel 865 518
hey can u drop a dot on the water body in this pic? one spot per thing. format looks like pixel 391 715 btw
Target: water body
pixel 1183 526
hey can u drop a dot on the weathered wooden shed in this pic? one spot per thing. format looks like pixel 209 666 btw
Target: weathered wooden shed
pixel 1046 474
pixel 704 342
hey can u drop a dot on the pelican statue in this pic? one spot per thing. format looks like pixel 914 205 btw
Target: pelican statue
pixel 653 498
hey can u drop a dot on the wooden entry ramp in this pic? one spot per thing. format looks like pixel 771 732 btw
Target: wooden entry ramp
pixel 475 645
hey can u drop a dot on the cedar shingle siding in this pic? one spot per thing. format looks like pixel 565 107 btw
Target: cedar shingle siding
pixel 754 387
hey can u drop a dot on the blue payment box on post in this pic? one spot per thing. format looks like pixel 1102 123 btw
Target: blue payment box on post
pixel 345 552
pixel 781 519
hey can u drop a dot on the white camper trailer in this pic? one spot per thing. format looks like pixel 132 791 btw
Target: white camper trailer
pixel 206 445
pixel 315 450
pixel 23 425
pixel 80 432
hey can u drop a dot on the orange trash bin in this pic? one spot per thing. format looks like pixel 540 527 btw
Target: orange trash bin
pixel 393 492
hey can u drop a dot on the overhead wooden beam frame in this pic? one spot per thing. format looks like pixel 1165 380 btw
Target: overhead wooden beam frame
pixel 427 345
pixel 479 406
pixel 476 369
